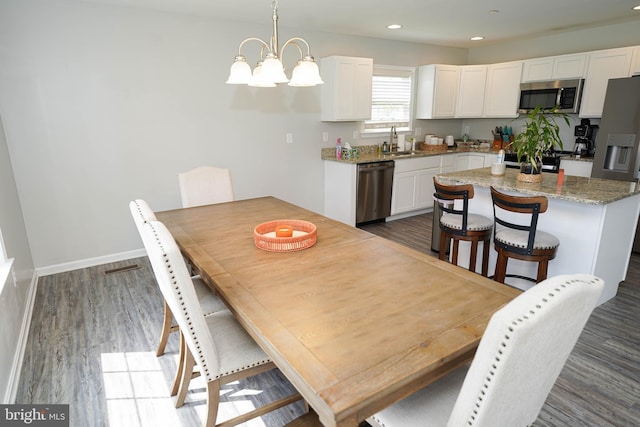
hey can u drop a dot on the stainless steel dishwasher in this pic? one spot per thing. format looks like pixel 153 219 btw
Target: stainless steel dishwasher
pixel 374 184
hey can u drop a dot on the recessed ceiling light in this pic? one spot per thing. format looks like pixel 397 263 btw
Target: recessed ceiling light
pixel 636 7
pixel 474 38
pixel 493 11
pixel 394 26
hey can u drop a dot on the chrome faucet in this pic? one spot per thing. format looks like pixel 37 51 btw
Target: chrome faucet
pixel 393 139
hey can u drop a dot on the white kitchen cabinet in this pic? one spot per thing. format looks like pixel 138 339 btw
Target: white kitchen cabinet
pixel 603 65
pixel 569 66
pixel 635 68
pixel 340 181
pixel 437 91
pixel 536 70
pixel 490 158
pixel 502 92
pixel 560 67
pixel 576 167
pixel 448 163
pixel 413 184
pixel 346 92
pixel 466 161
pixel 471 89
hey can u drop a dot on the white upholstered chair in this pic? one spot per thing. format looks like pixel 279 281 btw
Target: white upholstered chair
pixel 205 185
pixel 210 303
pixel 520 356
pixel 217 343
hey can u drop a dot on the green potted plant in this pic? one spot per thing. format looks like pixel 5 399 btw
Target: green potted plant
pixel 540 134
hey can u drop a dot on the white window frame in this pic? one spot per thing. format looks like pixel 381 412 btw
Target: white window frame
pixel 3 251
pixel 393 70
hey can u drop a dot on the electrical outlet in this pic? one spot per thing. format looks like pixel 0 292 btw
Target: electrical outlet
pixel 325 136
pixel 289 138
pixel 418 132
pixel 356 135
pixel 467 129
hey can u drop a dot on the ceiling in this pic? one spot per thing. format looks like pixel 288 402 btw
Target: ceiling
pixel 441 22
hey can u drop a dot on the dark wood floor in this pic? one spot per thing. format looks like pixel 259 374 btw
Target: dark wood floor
pixel 93 336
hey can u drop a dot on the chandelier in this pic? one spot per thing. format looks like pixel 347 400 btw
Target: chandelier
pixel 269 71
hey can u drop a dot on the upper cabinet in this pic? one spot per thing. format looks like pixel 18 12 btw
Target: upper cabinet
pixel 346 92
pixel 569 66
pixel 437 91
pixel 502 92
pixel 470 102
pixel 602 66
pixel 635 68
pixel 451 91
pixel 561 67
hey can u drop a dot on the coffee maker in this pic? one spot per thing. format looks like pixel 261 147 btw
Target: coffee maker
pixel 585 133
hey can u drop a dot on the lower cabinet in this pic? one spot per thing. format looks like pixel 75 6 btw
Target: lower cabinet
pixel 466 161
pixel 340 181
pixel 413 184
pixel 576 167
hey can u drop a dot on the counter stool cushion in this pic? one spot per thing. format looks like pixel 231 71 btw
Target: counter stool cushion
pixel 543 240
pixel 475 222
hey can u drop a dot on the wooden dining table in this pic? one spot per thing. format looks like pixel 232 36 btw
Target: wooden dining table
pixel 355 322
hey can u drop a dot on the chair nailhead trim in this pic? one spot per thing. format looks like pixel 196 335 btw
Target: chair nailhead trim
pixel 495 366
pixel 203 366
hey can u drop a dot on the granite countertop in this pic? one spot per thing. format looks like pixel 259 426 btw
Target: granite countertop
pixel 591 191
pixel 369 154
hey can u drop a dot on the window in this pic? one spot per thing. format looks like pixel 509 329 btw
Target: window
pixel 391 99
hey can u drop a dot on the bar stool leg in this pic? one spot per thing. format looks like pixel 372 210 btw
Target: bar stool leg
pixel 443 246
pixel 501 268
pixel 473 255
pixel 454 254
pixel 485 257
pixel 542 270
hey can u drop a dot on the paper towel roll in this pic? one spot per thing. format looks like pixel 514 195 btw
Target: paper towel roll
pixel 400 142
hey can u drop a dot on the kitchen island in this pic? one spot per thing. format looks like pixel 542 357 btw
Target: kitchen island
pixel 595 220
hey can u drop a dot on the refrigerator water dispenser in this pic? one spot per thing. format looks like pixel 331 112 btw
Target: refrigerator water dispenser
pixel 619 151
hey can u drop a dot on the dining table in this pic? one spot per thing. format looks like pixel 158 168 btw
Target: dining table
pixel 355 321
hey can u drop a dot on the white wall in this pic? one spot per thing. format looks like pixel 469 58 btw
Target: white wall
pixel 105 104
pixel 14 296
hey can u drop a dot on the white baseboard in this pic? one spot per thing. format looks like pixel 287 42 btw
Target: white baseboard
pixel 14 377
pixel 89 262
pixel 408 214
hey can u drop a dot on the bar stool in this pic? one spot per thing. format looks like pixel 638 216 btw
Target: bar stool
pixel 458 225
pixel 519 241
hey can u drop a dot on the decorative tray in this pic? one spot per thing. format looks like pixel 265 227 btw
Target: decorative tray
pixel 433 148
pixel 303 235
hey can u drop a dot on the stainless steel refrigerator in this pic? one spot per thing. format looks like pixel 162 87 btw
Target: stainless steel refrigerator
pixel 617 155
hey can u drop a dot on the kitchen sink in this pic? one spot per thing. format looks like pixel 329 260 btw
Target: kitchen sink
pixel 398 155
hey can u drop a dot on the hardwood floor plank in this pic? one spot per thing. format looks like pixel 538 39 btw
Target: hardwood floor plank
pixel 93 337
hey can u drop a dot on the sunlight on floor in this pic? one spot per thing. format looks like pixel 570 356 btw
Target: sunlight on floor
pixel 137 394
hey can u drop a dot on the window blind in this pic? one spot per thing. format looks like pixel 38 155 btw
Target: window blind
pixel 390 99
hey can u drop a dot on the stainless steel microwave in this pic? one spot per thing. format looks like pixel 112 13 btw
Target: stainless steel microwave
pixel 566 94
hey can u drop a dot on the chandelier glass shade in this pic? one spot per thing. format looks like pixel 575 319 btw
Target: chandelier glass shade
pixel 269 70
